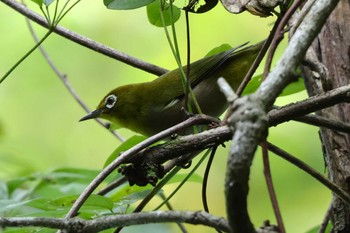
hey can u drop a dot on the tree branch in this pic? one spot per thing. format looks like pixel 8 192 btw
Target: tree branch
pixel 86 42
pixel 270 187
pixel 303 166
pixel 249 120
pixel 80 225
pixel 324 122
pixel 312 104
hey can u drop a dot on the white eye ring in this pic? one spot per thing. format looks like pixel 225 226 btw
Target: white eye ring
pixel 110 101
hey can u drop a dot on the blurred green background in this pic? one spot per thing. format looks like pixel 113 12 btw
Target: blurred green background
pixel 39 128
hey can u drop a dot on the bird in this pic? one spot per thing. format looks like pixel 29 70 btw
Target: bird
pixel 151 107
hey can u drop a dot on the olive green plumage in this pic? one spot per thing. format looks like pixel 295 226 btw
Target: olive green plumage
pixel 151 107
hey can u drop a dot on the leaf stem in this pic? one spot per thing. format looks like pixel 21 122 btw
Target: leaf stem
pixel 26 55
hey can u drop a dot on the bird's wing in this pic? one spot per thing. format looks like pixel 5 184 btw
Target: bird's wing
pixel 199 70
pixel 202 69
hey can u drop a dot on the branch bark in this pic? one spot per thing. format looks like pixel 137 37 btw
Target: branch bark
pixel 77 225
pixel 327 67
pixel 248 121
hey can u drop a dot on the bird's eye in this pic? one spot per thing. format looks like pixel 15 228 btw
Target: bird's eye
pixel 110 101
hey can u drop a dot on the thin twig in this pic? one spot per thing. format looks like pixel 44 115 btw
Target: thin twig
pixel 326 219
pixel 324 122
pixel 86 42
pixel 269 183
pixel 25 56
pixel 112 186
pixel 187 176
pixel 305 167
pixel 64 80
pixel 188 71
pixel 256 62
pixel 205 180
pixel 278 36
pixel 227 90
pixel 306 8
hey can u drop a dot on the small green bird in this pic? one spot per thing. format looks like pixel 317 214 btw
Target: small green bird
pixel 150 107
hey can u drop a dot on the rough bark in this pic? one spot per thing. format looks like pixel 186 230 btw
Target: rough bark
pixel 327 67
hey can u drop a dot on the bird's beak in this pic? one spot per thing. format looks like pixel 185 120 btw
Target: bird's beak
pixel 92 115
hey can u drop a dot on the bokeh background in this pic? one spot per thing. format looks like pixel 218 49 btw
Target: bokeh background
pixel 39 128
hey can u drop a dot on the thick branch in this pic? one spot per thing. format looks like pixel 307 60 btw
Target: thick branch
pixel 86 42
pixel 248 120
pixel 312 104
pixel 186 144
pixel 79 225
pixel 249 123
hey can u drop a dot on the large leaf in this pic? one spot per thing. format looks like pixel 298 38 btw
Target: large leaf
pixel 170 13
pixel 64 181
pixel 126 4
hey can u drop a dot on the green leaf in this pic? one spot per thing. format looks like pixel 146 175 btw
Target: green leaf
pixel 130 194
pixel 67 175
pixel 316 228
pixel 64 181
pixel 2 130
pixel 219 49
pixel 124 147
pixel 44 207
pixel 66 202
pixel 39 2
pixel 202 6
pixel 22 187
pixel 99 201
pixel 292 88
pixel 47 2
pixel 126 4
pixel 253 85
pixel 180 177
pixel 154 14
pixel 14 208
pixel 4 191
